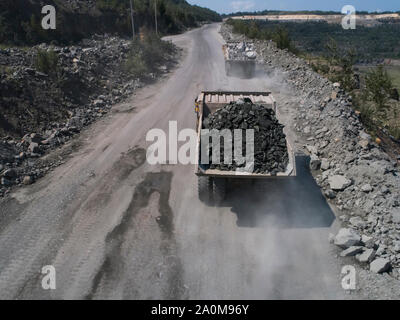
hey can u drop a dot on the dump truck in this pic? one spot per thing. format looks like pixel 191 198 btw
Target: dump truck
pixel 240 59
pixel 212 182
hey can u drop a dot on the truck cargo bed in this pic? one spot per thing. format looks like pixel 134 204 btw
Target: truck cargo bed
pixel 210 101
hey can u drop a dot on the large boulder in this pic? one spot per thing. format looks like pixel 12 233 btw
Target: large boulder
pixel 346 238
pixel 352 251
pixel 339 182
pixel 367 256
pixel 379 265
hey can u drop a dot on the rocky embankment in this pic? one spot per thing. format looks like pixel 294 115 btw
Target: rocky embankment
pixel 41 111
pixel 354 173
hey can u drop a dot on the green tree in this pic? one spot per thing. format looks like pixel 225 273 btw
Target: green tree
pixel 253 31
pixel 282 39
pixel 345 59
pixel 332 49
pixel 378 85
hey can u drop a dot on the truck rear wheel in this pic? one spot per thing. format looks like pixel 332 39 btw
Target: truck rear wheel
pixel 228 69
pixel 219 190
pixel 204 189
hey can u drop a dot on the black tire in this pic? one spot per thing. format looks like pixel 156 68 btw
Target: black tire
pixel 204 189
pixel 219 190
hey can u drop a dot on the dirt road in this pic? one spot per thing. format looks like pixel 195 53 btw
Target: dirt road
pixel 115 227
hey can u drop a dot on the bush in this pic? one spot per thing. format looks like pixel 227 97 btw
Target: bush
pixel 135 65
pixel 147 55
pixel 395 132
pixel 378 86
pixel 367 115
pixel 342 62
pixel 155 51
pixel 46 61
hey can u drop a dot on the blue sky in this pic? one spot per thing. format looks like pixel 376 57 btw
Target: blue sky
pixel 227 6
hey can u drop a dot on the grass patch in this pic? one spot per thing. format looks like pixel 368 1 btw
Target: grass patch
pixel 393 72
pixel 46 61
pixel 6 46
pixel 6 70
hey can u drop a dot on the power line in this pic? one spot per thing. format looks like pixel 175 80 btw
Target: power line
pixel 155 15
pixel 132 21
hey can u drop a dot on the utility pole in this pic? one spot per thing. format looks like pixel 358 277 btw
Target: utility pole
pixel 155 15
pixel 132 21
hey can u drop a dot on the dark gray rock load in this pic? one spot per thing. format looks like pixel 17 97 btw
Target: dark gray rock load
pixel 270 148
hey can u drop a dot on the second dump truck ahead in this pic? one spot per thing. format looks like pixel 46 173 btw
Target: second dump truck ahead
pixel 240 59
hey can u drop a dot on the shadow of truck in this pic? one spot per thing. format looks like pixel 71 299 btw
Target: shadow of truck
pixel 293 202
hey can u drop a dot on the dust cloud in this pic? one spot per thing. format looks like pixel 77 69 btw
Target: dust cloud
pixel 268 240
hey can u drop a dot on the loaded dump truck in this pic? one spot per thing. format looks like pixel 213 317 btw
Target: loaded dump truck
pixel 212 182
pixel 240 59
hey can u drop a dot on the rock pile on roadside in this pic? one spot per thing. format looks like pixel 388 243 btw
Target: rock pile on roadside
pixel 353 171
pixel 87 80
pixel 270 148
pixel 363 248
pixel 41 111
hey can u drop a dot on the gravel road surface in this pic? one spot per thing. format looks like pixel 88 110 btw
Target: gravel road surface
pixel 116 227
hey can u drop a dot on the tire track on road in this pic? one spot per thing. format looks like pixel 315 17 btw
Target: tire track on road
pixel 114 267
